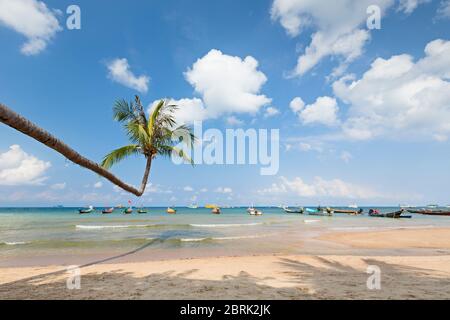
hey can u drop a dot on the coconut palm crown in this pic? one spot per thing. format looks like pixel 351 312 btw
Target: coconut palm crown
pixel 156 135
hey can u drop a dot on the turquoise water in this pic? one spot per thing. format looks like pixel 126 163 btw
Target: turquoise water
pixel 39 233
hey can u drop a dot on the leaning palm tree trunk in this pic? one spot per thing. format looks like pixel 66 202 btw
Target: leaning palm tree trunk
pixel 16 121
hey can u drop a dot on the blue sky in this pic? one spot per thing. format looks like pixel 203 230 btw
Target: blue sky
pixel 369 124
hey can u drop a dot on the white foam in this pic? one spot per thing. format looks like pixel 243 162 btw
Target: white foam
pixel 192 239
pixel 15 243
pixel 310 221
pixel 94 227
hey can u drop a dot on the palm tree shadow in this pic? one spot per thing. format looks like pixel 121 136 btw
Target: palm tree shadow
pixel 321 278
pixel 333 279
pixel 63 271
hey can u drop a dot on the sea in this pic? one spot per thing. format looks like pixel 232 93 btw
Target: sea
pixel 43 236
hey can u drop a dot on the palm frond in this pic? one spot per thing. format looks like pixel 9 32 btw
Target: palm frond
pixel 154 116
pixel 118 155
pixel 137 133
pixel 168 151
pixel 186 133
pixel 123 111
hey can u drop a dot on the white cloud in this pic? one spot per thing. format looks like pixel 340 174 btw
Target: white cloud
pixel 323 111
pixel 444 9
pixel 156 188
pixel 399 97
pixel 98 185
pixel 297 104
pixel 188 189
pixel 19 168
pixel 32 19
pixel 346 156
pixel 339 27
pixel 224 190
pixel 271 112
pixel 189 110
pixel 203 190
pixel 119 71
pixel 227 83
pixel 234 121
pixel 408 6
pixel 58 186
pixel 319 187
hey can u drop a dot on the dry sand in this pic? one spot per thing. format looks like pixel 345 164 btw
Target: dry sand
pixel 256 277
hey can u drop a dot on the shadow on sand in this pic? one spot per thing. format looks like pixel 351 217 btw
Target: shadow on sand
pixel 327 279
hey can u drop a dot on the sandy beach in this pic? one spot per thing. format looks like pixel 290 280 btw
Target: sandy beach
pixel 423 276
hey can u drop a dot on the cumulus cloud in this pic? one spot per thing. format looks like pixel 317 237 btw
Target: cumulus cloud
pixel 444 9
pixel 334 188
pixel 58 186
pixel 400 97
pixel 271 112
pixel 234 121
pixel 32 19
pixel 227 83
pixel 119 71
pixel 323 111
pixel 346 156
pixel 224 190
pixel 98 185
pixel 339 27
pixel 408 6
pixel 19 168
pixel 188 189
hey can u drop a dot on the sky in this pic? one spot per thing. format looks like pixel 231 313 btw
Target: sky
pixel 362 105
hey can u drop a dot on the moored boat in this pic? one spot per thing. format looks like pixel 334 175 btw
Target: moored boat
pixel 254 212
pixel 171 211
pixel 142 210
pixel 320 211
pixel 431 212
pixel 297 210
pixel 128 210
pixel 85 211
pixel 395 214
pixel 215 210
pixel 352 212
pixel 108 211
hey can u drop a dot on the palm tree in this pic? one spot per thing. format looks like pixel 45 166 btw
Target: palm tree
pixel 156 135
pixel 154 141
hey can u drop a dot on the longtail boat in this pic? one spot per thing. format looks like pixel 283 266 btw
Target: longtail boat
pixel 431 212
pixel 108 211
pixel 85 211
pixel 128 210
pixel 395 215
pixel 298 210
pixel 215 210
pixel 320 211
pixel 352 212
pixel 171 211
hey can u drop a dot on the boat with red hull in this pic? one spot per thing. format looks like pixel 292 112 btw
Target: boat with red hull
pixel 431 212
